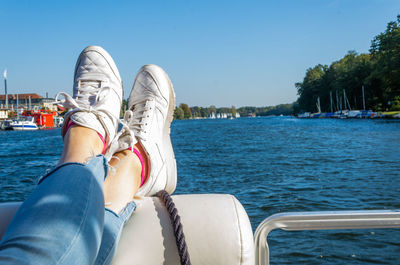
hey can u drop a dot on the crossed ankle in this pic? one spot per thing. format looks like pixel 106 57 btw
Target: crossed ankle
pixel 71 123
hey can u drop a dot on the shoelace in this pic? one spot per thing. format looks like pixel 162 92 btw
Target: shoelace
pixel 88 99
pixel 132 124
pixel 124 139
pixel 137 118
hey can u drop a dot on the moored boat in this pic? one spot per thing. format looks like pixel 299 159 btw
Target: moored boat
pixel 5 125
pixel 304 115
pixel 24 123
pixel 354 114
pixel 340 114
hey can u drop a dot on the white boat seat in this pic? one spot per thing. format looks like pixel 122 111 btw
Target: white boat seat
pixel 217 231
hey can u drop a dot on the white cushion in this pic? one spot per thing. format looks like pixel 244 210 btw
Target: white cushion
pixel 217 231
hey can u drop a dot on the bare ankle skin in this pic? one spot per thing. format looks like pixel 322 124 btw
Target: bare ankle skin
pixel 79 144
pixel 123 182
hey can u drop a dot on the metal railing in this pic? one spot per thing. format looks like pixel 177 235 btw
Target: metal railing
pixel 329 220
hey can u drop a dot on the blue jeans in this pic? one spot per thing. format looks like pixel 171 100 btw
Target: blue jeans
pixel 64 220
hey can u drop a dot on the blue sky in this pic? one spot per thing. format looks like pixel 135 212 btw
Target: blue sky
pixel 223 53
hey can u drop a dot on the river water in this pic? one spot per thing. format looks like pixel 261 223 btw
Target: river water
pixel 271 165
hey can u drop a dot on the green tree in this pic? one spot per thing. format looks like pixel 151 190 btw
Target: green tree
pixel 195 111
pixel 378 72
pixel 311 87
pixel 204 112
pixel 233 111
pixel 186 110
pixel 348 75
pixel 178 113
pixel 213 109
pixel 124 107
pixel 385 50
pixel 244 111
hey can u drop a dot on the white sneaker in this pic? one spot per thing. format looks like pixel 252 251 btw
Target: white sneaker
pixel 151 106
pixel 97 94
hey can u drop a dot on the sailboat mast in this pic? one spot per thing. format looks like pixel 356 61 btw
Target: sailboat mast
pixel 318 105
pixel 363 97
pixel 17 108
pixel 344 98
pixel 348 103
pixel 5 87
pixel 330 95
pixel 337 101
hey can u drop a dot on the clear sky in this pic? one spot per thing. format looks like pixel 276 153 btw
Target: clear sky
pixel 223 53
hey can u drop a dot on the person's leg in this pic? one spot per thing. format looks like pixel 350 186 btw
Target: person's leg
pixel 146 124
pixel 79 144
pixel 122 184
pixel 120 187
pixel 61 222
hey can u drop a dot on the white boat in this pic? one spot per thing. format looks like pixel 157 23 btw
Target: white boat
pixel 304 115
pixel 5 125
pixel 340 114
pixel 354 114
pixel 25 123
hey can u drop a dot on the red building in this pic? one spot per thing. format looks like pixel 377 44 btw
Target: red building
pixel 43 119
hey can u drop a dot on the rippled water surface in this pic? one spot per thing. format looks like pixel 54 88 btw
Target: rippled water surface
pixel 271 165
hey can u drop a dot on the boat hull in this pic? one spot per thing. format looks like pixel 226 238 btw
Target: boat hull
pixel 24 127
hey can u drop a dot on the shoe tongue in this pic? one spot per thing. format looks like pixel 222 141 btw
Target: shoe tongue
pixel 89 80
pixel 89 85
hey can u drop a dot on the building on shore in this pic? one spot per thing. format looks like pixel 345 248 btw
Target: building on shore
pixel 28 101
pixel 3 114
pixel 42 109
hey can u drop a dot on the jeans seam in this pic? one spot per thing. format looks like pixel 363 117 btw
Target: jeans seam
pixel 122 218
pixel 80 225
pixel 108 250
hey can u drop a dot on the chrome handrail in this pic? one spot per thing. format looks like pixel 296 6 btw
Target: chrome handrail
pixel 329 220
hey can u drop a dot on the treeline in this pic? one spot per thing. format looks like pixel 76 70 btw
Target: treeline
pixel 378 71
pixel 183 111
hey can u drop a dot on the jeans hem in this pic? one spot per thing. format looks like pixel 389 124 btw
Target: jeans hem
pixel 125 213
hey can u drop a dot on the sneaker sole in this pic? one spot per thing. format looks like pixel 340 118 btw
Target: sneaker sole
pixel 171 170
pixel 171 178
